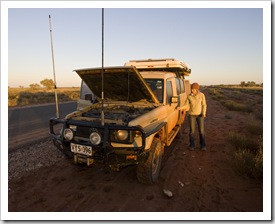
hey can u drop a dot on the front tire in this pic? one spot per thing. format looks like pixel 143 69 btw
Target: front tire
pixel 148 172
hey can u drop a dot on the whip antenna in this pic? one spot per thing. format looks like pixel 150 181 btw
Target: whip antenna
pixel 102 72
pixel 55 89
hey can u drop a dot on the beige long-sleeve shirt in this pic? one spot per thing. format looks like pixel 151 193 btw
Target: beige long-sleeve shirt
pixel 197 104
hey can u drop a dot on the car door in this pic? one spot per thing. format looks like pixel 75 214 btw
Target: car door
pixel 172 112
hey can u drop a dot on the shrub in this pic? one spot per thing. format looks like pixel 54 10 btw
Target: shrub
pixel 238 140
pixel 236 94
pixel 232 105
pixel 259 114
pixel 34 86
pixel 216 93
pixel 249 164
pixel 241 141
pixel 254 126
pixel 248 155
pixel 73 95
pixel 227 116
pixel 29 97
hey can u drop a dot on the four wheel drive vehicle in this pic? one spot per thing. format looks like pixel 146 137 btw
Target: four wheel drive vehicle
pixel 141 111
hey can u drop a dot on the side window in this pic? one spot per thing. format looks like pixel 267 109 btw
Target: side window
pixel 178 86
pixel 182 86
pixel 169 91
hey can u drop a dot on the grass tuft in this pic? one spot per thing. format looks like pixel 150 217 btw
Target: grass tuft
pixel 232 105
pixel 248 155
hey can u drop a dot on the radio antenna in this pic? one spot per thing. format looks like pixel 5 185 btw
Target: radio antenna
pixel 102 71
pixel 55 88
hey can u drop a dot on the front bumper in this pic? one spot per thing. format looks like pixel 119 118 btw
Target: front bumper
pixel 121 155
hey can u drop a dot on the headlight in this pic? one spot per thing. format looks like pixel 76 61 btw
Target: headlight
pixel 126 136
pixel 122 135
pixel 95 138
pixel 68 134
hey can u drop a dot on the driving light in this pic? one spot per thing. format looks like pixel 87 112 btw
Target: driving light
pixel 122 135
pixel 68 134
pixel 73 127
pixel 137 134
pixel 95 138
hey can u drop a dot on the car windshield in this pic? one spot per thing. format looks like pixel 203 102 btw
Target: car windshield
pixel 156 86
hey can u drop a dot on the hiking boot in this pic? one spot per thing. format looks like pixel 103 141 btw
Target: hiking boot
pixel 203 148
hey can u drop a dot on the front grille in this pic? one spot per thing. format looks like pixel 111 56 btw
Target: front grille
pixel 83 131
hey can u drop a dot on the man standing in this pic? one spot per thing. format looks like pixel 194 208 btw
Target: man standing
pixel 197 113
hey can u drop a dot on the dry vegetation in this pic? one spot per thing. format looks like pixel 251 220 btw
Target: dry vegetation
pixel 28 96
pixel 249 142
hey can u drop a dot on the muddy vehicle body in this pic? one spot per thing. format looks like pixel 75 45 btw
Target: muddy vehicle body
pixel 139 113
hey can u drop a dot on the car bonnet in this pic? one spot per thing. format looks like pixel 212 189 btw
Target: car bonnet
pixel 119 84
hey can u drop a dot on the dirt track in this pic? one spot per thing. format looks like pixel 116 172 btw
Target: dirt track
pixel 200 181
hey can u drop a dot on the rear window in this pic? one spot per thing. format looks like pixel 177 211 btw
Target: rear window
pixel 182 86
pixel 178 86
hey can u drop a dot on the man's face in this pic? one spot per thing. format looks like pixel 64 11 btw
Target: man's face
pixel 194 91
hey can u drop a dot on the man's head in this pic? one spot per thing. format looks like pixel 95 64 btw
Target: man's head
pixel 194 88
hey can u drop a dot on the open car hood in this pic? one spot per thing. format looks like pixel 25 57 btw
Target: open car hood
pixel 120 84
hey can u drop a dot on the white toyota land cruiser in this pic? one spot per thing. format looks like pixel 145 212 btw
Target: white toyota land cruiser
pixel 141 111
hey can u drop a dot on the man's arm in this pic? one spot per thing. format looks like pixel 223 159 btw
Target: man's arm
pixel 204 106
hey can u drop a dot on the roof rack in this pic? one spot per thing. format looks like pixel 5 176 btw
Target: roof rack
pixel 165 64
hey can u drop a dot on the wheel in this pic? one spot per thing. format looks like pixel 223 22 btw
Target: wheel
pixel 148 172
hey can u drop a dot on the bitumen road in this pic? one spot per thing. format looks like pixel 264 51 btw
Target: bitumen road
pixel 31 123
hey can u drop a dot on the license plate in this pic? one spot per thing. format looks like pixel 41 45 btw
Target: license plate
pixel 81 149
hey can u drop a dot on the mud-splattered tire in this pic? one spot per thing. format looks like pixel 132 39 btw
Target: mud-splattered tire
pixel 148 172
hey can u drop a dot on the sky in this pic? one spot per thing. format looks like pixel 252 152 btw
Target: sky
pixel 220 45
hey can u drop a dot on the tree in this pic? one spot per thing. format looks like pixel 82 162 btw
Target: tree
pixel 48 83
pixel 243 84
pixel 251 83
pixel 34 86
